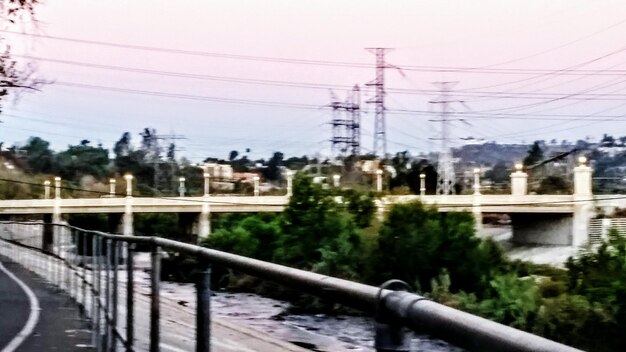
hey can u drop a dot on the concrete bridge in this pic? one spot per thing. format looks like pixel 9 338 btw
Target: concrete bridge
pixel 536 219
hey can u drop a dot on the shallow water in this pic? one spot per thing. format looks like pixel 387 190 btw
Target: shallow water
pixel 317 332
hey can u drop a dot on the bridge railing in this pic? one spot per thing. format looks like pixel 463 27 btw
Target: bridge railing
pixel 98 271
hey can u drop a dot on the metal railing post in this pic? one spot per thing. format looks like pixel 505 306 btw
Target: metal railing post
pixel 203 308
pixel 98 300
pixel 130 292
pixel 114 259
pixel 84 261
pixel 155 280
pixel 94 321
pixel 107 295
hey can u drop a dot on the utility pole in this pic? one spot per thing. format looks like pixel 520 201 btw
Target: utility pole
pixel 380 137
pixel 445 167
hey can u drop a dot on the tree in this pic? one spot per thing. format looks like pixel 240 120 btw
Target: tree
pixel 316 232
pixel 535 155
pixel 38 155
pixel 233 155
pixel 122 147
pixel 81 160
pixel 499 173
pixel 272 171
pixel 416 242
pixel 13 76
pixel 554 185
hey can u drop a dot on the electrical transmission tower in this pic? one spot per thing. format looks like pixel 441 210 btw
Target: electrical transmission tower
pixel 346 123
pixel 380 137
pixel 445 167
pixel 152 147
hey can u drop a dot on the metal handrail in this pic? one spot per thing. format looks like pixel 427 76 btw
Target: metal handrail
pixel 401 308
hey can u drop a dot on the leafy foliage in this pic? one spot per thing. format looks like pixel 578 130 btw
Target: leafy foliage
pixel 417 242
pixel 535 155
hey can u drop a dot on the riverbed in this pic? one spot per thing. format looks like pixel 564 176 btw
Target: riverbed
pixel 320 332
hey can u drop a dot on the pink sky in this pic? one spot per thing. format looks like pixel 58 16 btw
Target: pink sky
pixel 434 33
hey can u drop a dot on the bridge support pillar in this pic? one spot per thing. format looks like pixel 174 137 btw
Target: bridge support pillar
pixel 193 225
pixel 478 213
pixel 115 223
pixel 48 233
pixel 204 222
pixel 583 206
pixel 127 218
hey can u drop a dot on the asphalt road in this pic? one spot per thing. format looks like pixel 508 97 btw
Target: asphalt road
pixel 36 317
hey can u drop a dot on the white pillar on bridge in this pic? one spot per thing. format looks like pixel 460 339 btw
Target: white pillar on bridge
pixel 476 202
pixel 181 187
pixel 46 189
pixel 127 218
pixel 207 183
pixel 56 211
pixel 289 183
pixel 336 179
pixel 476 181
pixel 57 187
pixel 112 187
pixel 583 202
pixel 379 180
pixel 204 219
pixel 519 181
pixel 256 185
pixel 422 184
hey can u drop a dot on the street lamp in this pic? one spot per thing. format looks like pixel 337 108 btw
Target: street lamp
pixel 256 185
pixel 336 179
pixel 476 181
pixel 46 189
pixel 57 187
pixel 129 185
pixel 112 187
pixel 379 180
pixel 181 187
pixel 207 183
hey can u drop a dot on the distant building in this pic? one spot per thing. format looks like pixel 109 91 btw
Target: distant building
pixel 219 171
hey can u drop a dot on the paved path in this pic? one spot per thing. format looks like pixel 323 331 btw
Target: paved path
pixel 55 326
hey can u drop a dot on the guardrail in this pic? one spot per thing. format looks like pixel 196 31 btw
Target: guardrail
pixel 87 264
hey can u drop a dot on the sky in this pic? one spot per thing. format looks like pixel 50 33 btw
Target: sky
pixel 231 75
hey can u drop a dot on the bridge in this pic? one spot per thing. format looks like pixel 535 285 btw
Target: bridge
pixel 536 219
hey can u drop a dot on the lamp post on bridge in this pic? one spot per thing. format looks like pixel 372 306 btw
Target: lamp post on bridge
pixel 129 185
pixel 379 180
pixel 476 181
pixel 256 185
pixel 57 187
pixel 112 183
pixel 519 181
pixel 207 183
pixel 336 179
pixel 46 189
pixel 181 187
pixel 289 183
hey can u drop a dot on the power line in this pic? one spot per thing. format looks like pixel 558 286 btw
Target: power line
pixel 422 68
pixel 309 85
pixel 191 97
